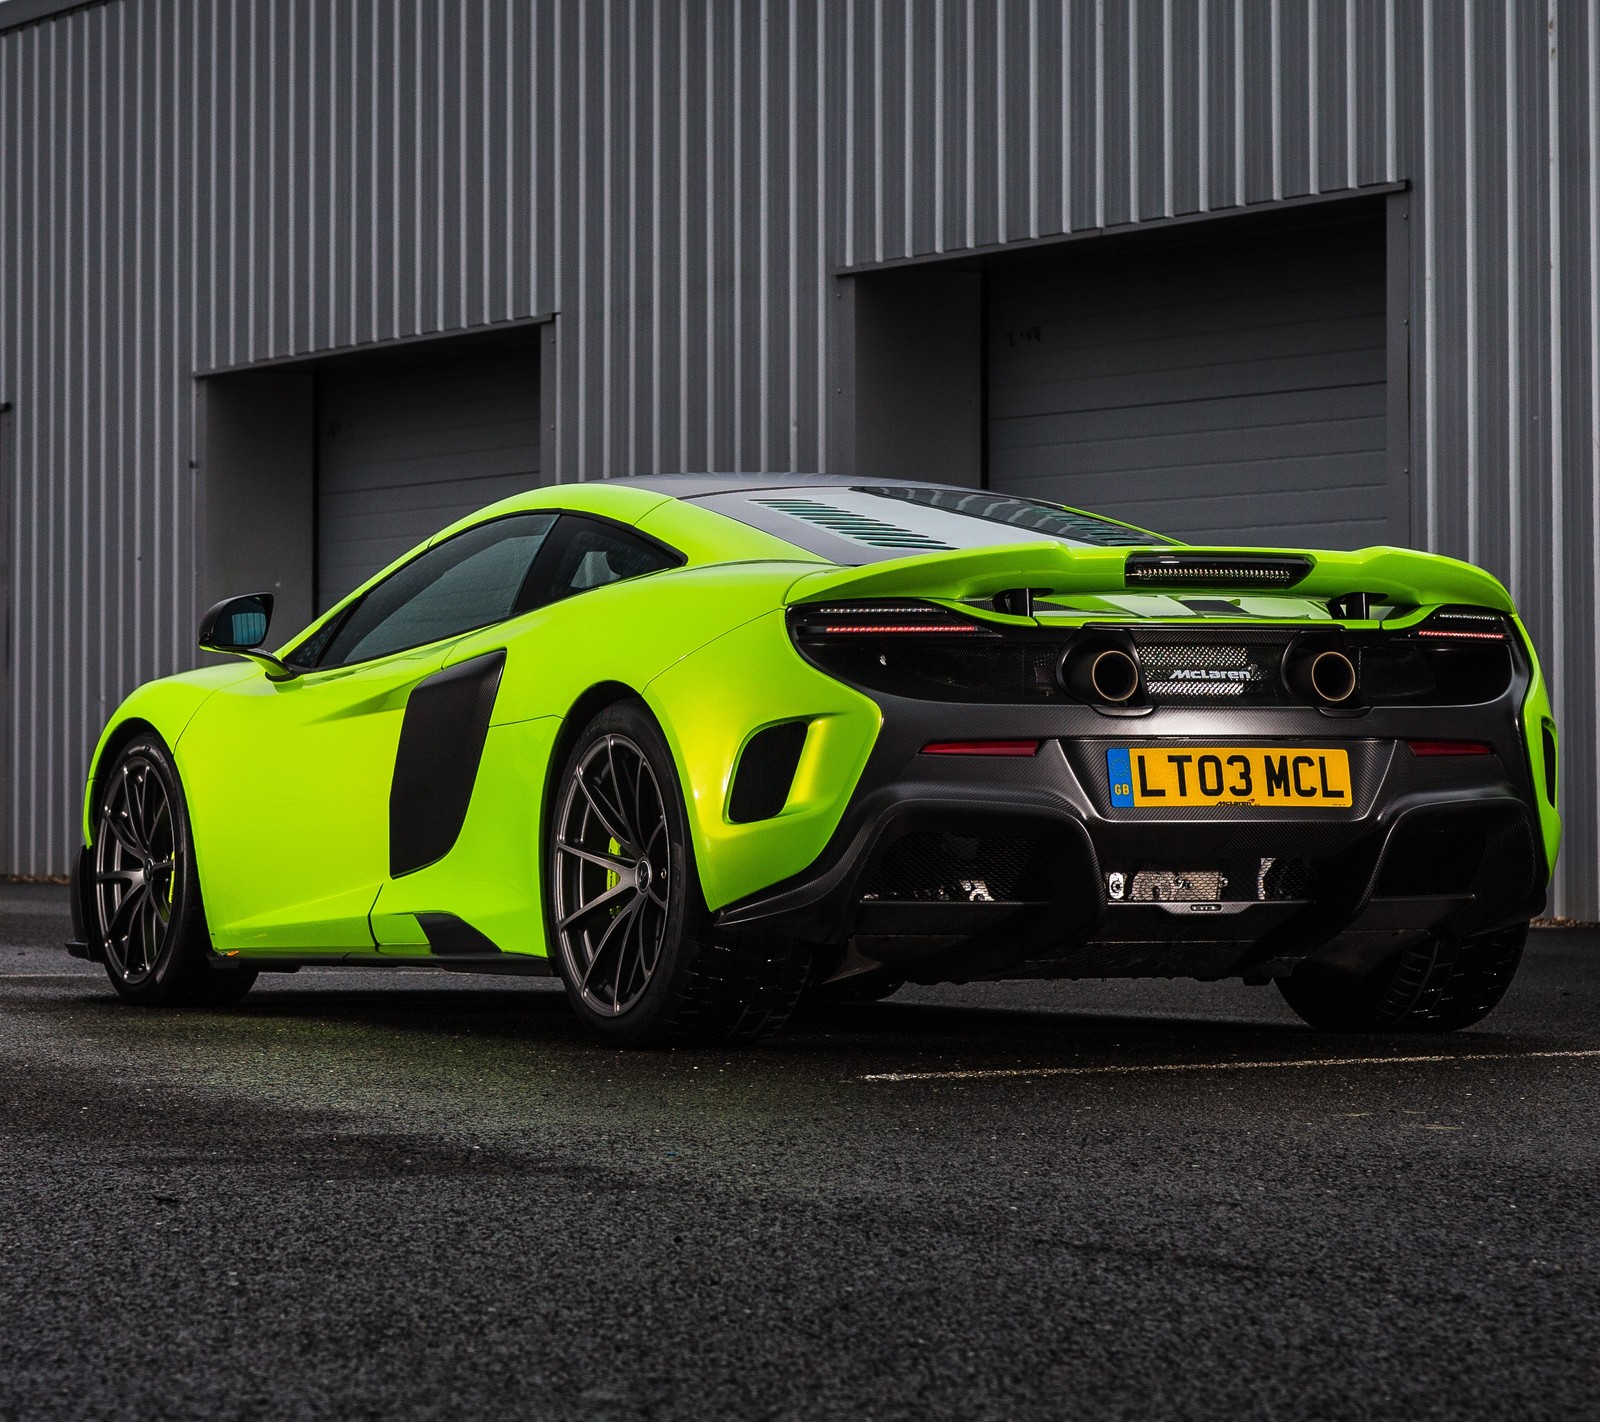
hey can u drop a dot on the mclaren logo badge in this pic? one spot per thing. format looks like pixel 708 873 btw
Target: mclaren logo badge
pixel 1211 674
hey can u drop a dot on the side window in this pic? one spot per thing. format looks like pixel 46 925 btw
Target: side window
pixel 469 581
pixel 585 553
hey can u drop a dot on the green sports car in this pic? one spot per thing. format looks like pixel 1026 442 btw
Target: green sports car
pixel 703 744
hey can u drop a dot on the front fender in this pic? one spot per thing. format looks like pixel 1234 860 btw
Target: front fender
pixel 166 706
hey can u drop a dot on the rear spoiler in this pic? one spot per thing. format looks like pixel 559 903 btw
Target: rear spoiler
pixel 1016 572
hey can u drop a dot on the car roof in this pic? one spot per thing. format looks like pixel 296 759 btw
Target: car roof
pixel 700 486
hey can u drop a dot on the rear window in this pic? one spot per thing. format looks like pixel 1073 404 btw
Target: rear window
pixel 866 523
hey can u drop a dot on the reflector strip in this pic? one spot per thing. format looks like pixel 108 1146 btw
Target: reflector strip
pixel 1023 748
pixel 1450 748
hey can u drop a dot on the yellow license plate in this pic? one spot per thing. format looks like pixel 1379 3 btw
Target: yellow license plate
pixel 1148 776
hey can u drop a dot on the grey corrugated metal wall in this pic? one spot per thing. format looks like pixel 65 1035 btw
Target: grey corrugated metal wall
pixel 1222 391
pixel 189 184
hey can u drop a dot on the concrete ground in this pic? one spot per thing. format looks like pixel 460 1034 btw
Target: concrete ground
pixel 429 1196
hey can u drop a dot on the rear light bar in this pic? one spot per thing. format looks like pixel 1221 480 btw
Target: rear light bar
pixel 1464 624
pixel 1017 748
pixel 1429 748
pixel 1215 570
pixel 891 619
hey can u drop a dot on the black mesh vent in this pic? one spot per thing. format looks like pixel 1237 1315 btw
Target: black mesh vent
pixel 1211 671
pixel 940 867
pixel 1229 881
pixel 766 771
pixel 1286 879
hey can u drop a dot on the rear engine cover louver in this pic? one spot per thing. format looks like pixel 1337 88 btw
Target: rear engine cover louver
pixel 860 528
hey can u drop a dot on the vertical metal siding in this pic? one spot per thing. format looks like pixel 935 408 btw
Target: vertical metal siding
pixel 187 185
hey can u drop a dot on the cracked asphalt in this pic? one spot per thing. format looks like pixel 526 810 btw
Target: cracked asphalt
pixel 428 1196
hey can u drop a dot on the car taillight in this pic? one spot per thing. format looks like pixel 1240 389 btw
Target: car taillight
pixel 860 619
pixel 1463 624
pixel 1431 748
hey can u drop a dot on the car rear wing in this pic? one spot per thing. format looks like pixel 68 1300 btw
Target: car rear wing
pixel 1015 573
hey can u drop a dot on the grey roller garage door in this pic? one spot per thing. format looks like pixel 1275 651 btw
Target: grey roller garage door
pixel 406 447
pixel 1229 390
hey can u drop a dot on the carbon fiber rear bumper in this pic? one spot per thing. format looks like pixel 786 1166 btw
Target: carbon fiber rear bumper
pixel 948 868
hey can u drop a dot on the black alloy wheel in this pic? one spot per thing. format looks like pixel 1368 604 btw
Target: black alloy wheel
pixel 143 893
pixel 614 875
pixel 627 925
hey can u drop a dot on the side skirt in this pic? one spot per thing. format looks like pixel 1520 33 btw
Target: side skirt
pixel 510 965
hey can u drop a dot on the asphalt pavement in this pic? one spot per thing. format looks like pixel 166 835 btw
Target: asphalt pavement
pixel 361 1195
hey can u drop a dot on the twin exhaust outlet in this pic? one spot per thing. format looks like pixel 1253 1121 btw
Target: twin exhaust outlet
pixel 1110 676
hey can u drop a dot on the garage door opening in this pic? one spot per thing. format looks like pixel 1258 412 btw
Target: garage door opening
pixel 411 442
pixel 1226 387
pixel 316 474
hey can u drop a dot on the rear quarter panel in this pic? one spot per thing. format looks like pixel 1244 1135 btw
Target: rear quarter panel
pixel 707 650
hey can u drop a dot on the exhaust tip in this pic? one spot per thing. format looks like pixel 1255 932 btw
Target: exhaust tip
pixel 1113 676
pixel 1333 677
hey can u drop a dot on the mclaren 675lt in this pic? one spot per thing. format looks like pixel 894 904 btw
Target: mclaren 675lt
pixel 701 745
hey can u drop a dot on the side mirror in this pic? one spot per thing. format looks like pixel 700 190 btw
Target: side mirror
pixel 237 626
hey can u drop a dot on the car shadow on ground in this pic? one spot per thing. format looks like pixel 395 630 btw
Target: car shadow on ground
pixel 886 1037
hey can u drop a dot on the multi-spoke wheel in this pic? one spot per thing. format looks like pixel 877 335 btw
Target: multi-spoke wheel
pixel 628 927
pixel 143 894
pixel 613 875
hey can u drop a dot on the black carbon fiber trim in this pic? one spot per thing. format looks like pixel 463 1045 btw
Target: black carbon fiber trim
pixel 450 936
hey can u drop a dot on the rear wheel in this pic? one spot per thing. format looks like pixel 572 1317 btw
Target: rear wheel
pixel 144 893
pixel 1441 985
pixel 628 928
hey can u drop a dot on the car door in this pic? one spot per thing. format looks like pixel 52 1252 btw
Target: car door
pixel 486 878
pixel 292 777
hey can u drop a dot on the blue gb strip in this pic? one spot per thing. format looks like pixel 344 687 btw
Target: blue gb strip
pixel 1120 770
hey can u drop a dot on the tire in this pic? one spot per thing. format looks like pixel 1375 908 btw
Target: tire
pixel 144 899
pixel 1441 985
pixel 626 922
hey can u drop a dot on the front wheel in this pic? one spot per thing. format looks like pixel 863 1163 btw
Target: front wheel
pixel 1439 985
pixel 627 926
pixel 143 890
